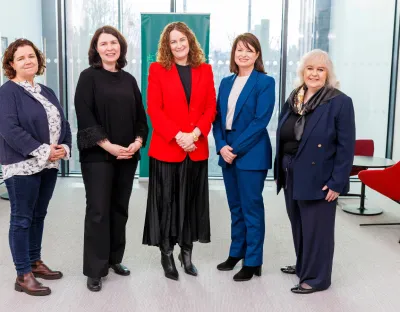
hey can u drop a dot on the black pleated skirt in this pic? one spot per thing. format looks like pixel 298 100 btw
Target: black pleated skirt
pixel 177 203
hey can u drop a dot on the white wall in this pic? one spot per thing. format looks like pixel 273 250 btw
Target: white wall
pixel 21 19
pixel 396 144
pixel 361 50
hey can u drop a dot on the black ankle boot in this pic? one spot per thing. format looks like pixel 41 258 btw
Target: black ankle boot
pixel 246 273
pixel 167 260
pixel 229 264
pixel 185 257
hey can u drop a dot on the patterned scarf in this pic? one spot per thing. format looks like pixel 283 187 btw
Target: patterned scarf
pixel 296 103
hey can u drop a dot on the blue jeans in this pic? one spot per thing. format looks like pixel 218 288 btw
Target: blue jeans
pixel 29 198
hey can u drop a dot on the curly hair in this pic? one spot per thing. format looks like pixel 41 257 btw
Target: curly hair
pixel 164 54
pixel 94 57
pixel 8 57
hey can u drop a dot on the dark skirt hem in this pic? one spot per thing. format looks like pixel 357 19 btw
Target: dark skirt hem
pixel 177 203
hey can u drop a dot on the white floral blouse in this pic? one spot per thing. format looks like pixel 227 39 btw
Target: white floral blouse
pixel 39 161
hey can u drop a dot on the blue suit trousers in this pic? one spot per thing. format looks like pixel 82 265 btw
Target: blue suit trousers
pixel 244 192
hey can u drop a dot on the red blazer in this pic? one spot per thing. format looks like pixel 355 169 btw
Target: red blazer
pixel 169 111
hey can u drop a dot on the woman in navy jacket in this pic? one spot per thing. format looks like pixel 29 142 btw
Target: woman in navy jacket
pixel 34 136
pixel 315 148
pixel 244 108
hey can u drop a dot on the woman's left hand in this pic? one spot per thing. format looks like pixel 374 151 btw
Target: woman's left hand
pixel 185 140
pixel 134 147
pixel 60 153
pixel 332 195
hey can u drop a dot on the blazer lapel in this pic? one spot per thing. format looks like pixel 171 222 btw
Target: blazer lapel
pixel 224 99
pixel 310 125
pixel 248 87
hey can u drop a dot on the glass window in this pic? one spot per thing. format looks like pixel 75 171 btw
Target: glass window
pixel 361 65
pixel 230 18
pixel 82 20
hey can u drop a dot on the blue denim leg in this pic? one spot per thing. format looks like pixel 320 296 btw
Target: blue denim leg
pixel 48 180
pixel 23 192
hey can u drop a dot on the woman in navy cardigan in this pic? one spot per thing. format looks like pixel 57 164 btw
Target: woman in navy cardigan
pixel 34 136
pixel 314 155
pixel 244 108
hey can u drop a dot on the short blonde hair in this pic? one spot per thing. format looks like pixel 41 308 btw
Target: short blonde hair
pixel 322 57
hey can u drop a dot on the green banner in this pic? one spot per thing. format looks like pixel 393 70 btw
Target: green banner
pixel 152 26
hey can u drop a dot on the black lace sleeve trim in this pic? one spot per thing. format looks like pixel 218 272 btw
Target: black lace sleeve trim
pixel 89 137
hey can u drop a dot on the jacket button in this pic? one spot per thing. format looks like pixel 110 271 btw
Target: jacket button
pixel 313 163
pixel 319 145
pixel 191 123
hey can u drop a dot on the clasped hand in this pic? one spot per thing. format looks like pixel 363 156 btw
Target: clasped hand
pixel 227 155
pixel 57 152
pixel 122 152
pixel 186 142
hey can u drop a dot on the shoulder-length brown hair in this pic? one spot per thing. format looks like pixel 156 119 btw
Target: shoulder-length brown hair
pixel 164 54
pixel 8 57
pixel 94 57
pixel 247 39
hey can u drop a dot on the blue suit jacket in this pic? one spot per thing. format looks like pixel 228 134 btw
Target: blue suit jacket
pixel 23 123
pixel 253 112
pixel 326 151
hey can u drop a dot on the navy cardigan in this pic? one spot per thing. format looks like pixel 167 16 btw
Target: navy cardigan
pixel 23 123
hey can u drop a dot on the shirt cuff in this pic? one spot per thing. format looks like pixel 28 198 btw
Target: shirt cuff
pixel 42 154
pixel 68 152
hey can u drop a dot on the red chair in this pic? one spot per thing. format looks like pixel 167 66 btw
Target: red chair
pixel 362 148
pixel 386 182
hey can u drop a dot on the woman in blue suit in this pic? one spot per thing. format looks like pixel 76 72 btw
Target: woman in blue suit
pixel 244 107
pixel 315 148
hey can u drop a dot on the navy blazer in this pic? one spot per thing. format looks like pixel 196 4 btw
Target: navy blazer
pixel 253 111
pixel 326 150
pixel 23 123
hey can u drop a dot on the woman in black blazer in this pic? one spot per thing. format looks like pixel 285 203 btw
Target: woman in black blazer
pixel 315 148
pixel 34 136
pixel 112 127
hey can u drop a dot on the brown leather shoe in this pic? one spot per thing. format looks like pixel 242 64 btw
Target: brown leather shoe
pixel 39 269
pixel 28 284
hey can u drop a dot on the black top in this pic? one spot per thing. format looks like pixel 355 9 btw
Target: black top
pixel 185 73
pixel 289 143
pixel 108 105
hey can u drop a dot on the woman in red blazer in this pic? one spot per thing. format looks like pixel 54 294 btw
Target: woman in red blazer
pixel 182 106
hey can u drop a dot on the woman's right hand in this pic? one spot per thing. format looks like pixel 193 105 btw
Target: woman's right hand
pixel 116 150
pixel 227 155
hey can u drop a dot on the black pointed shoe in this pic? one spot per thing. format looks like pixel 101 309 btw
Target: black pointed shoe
pixel 94 284
pixel 168 264
pixel 120 269
pixel 300 290
pixel 185 257
pixel 228 264
pixel 290 269
pixel 246 273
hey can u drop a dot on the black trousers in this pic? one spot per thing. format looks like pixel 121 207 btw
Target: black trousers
pixel 108 188
pixel 313 230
